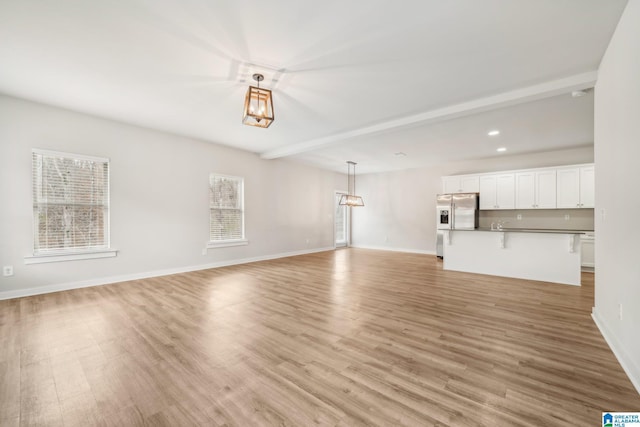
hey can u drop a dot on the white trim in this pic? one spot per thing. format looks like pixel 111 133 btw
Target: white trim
pixel 390 249
pixel 227 243
pixel 73 155
pixel 628 363
pixel 60 257
pixel 222 175
pixel 18 293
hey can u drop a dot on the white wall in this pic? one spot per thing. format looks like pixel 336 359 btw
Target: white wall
pixel 617 154
pixel 399 212
pixel 159 199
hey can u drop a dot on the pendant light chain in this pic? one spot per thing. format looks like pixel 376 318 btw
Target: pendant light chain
pixel 354 179
pixel 257 78
pixel 351 199
pixel 351 179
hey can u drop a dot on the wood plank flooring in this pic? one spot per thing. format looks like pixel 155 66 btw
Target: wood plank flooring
pixel 345 338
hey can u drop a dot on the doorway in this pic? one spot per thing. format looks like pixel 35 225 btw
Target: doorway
pixel 341 222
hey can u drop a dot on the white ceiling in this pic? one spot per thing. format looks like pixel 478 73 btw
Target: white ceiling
pixel 545 125
pixel 352 80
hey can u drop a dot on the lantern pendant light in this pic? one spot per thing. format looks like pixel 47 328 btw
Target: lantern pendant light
pixel 258 105
pixel 351 199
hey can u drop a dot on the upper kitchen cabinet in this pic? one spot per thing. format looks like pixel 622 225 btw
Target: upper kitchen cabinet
pixel 461 184
pixel 536 189
pixel 576 187
pixel 497 191
pixel 562 187
pixel 588 187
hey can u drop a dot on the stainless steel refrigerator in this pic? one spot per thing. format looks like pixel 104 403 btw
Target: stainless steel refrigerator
pixel 458 211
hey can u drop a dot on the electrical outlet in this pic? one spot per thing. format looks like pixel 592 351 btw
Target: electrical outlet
pixel 7 270
pixel 308 240
pixel 567 217
pixel 204 251
pixel 620 311
pixel 519 217
pixel 603 212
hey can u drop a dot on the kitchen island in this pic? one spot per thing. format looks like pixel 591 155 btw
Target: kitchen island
pixel 546 255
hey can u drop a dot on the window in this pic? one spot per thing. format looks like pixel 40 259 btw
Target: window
pixel 70 203
pixel 226 210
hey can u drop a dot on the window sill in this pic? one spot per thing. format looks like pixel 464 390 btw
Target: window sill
pixel 227 243
pixel 74 256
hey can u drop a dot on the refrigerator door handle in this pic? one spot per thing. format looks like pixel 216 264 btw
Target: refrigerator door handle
pixel 453 216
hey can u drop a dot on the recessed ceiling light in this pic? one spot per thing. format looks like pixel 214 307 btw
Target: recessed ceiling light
pixel 400 154
pixel 501 149
pixel 494 132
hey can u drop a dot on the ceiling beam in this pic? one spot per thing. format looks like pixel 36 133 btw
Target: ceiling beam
pixel 505 99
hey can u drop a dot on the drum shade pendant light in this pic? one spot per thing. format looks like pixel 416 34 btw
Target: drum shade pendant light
pixel 258 105
pixel 351 199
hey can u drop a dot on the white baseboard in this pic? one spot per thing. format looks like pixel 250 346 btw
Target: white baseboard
pixel 18 293
pixel 391 249
pixel 628 363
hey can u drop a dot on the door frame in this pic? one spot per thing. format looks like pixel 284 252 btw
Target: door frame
pixel 347 225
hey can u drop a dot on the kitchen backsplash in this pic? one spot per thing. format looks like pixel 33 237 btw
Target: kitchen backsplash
pixel 578 219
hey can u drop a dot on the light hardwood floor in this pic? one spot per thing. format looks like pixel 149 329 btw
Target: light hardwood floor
pixel 345 338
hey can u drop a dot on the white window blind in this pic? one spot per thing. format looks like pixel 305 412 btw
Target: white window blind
pixel 226 216
pixel 70 202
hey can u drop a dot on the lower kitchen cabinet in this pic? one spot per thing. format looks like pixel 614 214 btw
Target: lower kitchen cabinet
pixel 587 250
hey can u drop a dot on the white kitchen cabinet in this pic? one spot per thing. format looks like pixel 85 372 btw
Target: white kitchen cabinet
pixel 587 250
pixel 525 190
pixel 497 191
pixel 461 184
pixel 587 187
pixel 545 188
pixel 575 187
pixel 506 191
pixel 488 192
pixel 536 189
pixel 568 188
